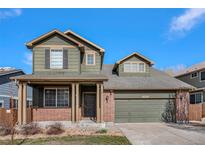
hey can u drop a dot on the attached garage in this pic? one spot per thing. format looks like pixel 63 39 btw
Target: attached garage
pixel 139 107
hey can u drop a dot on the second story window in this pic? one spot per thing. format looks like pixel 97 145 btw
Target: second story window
pixel 202 76
pixel 194 75
pixel 90 59
pixel 134 67
pixel 56 58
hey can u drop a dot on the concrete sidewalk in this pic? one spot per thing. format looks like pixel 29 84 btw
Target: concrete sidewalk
pixel 163 134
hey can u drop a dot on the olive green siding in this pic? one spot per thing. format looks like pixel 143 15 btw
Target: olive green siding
pixel 39 57
pixel 55 40
pixel 135 59
pixel 76 59
pixel 98 57
pixel 91 68
pixel 194 81
pixel 39 62
pixel 141 106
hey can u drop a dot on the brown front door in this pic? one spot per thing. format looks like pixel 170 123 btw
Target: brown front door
pixel 89 105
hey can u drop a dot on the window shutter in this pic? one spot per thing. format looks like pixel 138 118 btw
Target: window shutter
pixel 65 58
pixel 47 58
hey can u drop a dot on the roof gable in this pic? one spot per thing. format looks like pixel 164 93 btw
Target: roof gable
pixel 137 55
pixel 83 39
pixel 191 69
pixel 44 36
pixel 132 55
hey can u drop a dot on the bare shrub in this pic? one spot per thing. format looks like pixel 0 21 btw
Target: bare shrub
pixel 5 131
pixel 55 129
pixel 102 131
pixel 30 129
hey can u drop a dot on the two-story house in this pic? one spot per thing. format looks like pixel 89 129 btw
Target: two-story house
pixel 195 76
pixel 9 89
pixel 71 83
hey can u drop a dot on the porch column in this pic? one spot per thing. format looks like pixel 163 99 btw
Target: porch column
pixel 73 103
pixel 77 102
pixel 97 102
pixel 20 99
pixel 101 103
pixel 24 103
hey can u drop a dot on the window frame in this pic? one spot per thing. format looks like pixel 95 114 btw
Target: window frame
pixel 202 97
pixel 50 57
pixel 86 58
pixel 138 65
pixel 197 74
pixel 2 101
pixel 200 77
pixel 56 101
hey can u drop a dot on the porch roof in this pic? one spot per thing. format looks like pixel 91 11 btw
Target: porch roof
pixel 60 78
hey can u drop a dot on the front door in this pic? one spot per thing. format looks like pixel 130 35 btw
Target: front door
pixel 89 105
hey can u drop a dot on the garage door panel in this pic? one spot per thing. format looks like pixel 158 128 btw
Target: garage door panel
pixel 139 110
pixel 139 114
pixel 127 108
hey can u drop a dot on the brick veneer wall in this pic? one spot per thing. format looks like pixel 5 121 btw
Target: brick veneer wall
pixel 182 106
pixel 56 114
pixel 109 106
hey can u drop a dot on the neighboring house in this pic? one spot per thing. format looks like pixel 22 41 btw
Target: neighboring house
pixel 195 76
pixel 71 83
pixel 9 89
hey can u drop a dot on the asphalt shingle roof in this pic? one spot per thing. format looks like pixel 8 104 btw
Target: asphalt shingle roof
pixel 157 80
pixel 192 68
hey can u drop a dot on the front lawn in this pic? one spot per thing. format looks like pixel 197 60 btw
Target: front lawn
pixel 72 140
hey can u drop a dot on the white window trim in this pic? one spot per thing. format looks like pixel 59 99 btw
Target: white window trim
pixel 50 57
pixel 202 97
pixel 133 62
pixel 200 76
pixel 86 58
pixel 56 96
pixel 2 101
pixel 195 76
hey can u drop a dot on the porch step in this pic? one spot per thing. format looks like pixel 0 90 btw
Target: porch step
pixel 90 123
pixel 203 120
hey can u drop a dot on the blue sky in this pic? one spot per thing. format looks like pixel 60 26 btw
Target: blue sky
pixel 172 38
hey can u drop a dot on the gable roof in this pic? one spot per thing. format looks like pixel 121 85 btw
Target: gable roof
pixel 135 54
pixel 131 55
pixel 44 36
pixel 193 68
pixel 83 39
pixel 157 80
pixel 2 73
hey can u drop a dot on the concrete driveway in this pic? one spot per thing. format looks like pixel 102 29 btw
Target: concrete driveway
pixel 161 133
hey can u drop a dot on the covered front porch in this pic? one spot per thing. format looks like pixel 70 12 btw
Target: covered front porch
pixel 61 100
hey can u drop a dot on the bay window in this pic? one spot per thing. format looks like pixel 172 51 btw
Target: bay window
pixel 56 97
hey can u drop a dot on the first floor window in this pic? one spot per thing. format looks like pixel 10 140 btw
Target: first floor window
pixel 90 59
pixel 56 58
pixel 56 97
pixel 134 67
pixel 196 98
pixel 203 76
pixel 1 103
